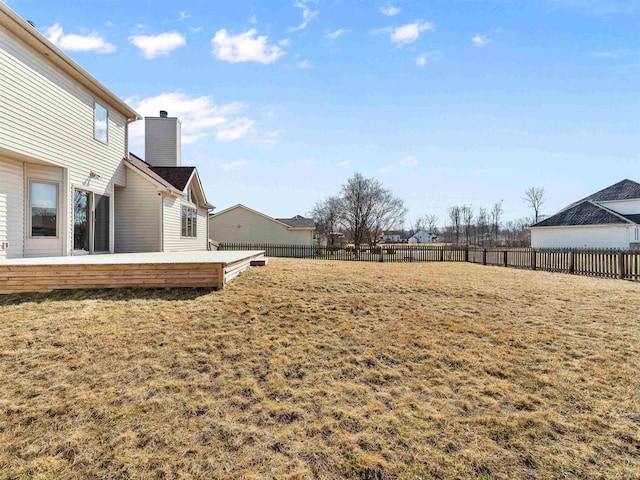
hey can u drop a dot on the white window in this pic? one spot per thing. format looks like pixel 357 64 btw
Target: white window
pixel 100 122
pixel 44 209
pixel 189 222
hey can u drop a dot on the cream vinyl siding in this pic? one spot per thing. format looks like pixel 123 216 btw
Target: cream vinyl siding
pixel 11 208
pixel 45 246
pixel 582 237
pixel 173 241
pixel 162 142
pixel 48 116
pixel 137 212
pixel 239 225
pixel 624 207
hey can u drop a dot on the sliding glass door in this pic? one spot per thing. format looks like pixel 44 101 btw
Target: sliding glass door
pixel 90 223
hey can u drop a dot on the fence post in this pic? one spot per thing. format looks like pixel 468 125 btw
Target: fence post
pixel 571 262
pixel 506 258
pixel 466 254
pixel 533 260
pixel 442 254
pixel 621 269
pixel 484 256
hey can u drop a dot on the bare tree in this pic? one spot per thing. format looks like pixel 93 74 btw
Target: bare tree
pixel 431 224
pixel 481 228
pixel 455 216
pixel 326 214
pixel 369 209
pixel 535 197
pixel 496 214
pixel 467 222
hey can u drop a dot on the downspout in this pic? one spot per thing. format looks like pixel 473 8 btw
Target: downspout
pixel 161 221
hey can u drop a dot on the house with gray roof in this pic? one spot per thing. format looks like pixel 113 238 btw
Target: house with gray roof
pixel 609 218
pixel 240 224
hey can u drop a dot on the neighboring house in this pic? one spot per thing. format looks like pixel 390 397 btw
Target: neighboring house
pixel 240 224
pixel 392 236
pixel 163 208
pixel 63 159
pixel 609 218
pixel 422 236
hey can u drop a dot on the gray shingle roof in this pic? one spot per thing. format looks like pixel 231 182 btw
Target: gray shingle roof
pixel 176 176
pixel 623 190
pixel 587 213
pixel 298 222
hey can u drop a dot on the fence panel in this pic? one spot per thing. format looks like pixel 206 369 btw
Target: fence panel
pixel 596 263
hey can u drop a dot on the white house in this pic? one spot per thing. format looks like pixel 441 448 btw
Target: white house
pixel 163 207
pixel 391 236
pixel 422 236
pixel 240 224
pixel 609 218
pixel 64 167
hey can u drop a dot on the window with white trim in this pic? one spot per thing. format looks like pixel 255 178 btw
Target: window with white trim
pixel 189 222
pixel 100 122
pixel 44 209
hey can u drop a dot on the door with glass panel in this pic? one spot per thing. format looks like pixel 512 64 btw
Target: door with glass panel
pixel 90 223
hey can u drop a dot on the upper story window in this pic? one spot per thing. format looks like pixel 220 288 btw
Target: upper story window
pixel 189 196
pixel 44 209
pixel 100 122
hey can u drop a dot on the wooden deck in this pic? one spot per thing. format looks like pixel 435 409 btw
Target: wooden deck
pixel 148 270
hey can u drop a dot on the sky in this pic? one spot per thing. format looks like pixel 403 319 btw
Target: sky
pixel 445 102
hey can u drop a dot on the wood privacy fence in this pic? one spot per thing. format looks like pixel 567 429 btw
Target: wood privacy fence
pixel 596 263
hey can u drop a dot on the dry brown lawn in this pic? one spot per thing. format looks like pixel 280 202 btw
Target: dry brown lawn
pixel 310 369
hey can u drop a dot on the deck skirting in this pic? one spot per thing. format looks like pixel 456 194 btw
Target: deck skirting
pixel 171 271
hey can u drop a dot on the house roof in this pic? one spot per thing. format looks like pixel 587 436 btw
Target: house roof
pixel 282 221
pixel 174 179
pixel 623 190
pixel 177 176
pixel 298 222
pixel 587 213
pixel 40 44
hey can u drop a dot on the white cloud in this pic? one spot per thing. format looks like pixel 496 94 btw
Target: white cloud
pixel 480 41
pixel 195 29
pixel 285 42
pixel 407 162
pixel 389 10
pixel 406 34
pixel 200 117
pixel 305 64
pixel 253 19
pixel 427 58
pixel 184 16
pixel 307 16
pixel 344 163
pixel 244 47
pixel 271 138
pixel 332 35
pixel 161 45
pixel 234 165
pixel 91 42
pixel 235 130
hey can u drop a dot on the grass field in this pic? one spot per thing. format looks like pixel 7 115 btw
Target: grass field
pixel 309 369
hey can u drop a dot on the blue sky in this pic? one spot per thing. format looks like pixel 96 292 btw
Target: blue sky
pixel 444 101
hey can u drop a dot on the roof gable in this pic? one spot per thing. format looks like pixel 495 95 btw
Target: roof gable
pixel 585 213
pixel 279 221
pixel 623 190
pixel 298 222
